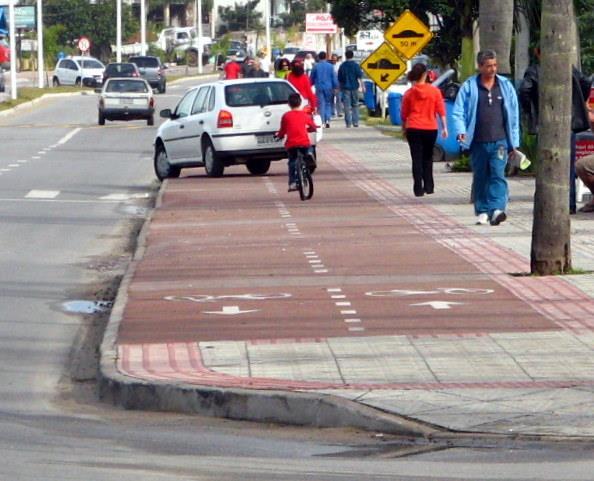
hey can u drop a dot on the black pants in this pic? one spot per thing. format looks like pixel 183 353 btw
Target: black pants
pixel 421 143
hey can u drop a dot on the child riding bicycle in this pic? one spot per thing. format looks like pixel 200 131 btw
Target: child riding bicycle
pixel 295 125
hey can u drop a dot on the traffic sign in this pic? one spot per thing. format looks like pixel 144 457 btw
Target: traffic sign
pixel 384 66
pixel 84 44
pixel 408 34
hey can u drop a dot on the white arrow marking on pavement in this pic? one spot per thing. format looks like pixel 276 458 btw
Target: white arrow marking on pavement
pixel 230 311
pixel 438 304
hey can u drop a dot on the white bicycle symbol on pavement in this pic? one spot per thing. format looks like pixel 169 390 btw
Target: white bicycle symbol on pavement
pixel 243 297
pixel 439 290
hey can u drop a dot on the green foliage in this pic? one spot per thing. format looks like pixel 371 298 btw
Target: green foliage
pixel 97 22
pixel 51 43
pixel 454 17
pixel 296 13
pixel 461 164
pixel 585 13
pixel 241 17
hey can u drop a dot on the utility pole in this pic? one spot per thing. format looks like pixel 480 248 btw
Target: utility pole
pixel 199 28
pixel 40 63
pixel 118 31
pixel 13 59
pixel 267 19
pixel 143 27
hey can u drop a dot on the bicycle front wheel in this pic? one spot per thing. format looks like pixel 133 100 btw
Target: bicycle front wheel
pixel 306 188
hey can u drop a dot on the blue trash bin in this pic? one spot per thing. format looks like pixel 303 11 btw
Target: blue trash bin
pixel 369 95
pixel 394 106
pixel 450 145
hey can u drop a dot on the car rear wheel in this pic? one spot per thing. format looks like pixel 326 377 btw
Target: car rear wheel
pixel 77 82
pixel 163 169
pixel 258 167
pixel 101 120
pixel 55 82
pixel 162 88
pixel 213 164
pixel 150 120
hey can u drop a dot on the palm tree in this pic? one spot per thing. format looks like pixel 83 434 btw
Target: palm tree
pixel 551 246
pixel 496 21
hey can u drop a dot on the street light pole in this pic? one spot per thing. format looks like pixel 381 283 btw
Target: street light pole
pixel 40 63
pixel 143 27
pixel 267 19
pixel 118 31
pixel 13 59
pixel 200 45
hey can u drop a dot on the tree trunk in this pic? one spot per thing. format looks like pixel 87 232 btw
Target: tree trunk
pixel 496 20
pixel 551 243
pixel 522 46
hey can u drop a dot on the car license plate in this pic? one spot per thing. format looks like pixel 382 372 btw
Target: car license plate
pixel 127 101
pixel 266 139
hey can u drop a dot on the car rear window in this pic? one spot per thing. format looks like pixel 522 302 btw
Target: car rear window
pixel 120 68
pixel 126 86
pixel 146 62
pixel 258 93
pixel 90 64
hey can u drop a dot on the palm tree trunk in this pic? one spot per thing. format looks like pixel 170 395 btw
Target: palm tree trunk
pixel 496 23
pixel 551 246
pixel 522 45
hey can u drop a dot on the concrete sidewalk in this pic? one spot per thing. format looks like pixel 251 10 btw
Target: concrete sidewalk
pixel 526 368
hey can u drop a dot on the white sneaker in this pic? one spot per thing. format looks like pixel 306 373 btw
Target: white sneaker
pixel 482 219
pixel 498 217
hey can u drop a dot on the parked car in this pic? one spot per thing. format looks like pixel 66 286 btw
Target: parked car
pixel 120 70
pixel 152 70
pixel 223 123
pixel 2 83
pixel 78 71
pixel 289 53
pixel 126 99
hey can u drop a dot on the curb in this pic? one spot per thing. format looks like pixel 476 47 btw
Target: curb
pixel 39 99
pixel 296 408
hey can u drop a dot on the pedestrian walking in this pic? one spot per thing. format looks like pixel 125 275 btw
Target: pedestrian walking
pixel 232 69
pixel 350 81
pixel 337 108
pixel 282 68
pixel 299 79
pixel 324 80
pixel 486 120
pixel 256 71
pixel 308 63
pixel 421 105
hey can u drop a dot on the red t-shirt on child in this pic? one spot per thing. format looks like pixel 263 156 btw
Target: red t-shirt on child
pixel 295 124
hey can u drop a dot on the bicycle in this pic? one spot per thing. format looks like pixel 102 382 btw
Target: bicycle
pixel 304 167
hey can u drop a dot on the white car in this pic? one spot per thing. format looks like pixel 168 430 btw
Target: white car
pixel 224 123
pixel 78 71
pixel 126 98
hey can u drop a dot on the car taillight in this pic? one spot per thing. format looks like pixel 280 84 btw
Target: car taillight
pixel 151 102
pixel 225 119
pixel 135 74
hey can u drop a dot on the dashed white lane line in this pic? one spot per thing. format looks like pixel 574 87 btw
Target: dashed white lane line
pixel 353 323
pixel 14 165
pixel 36 157
pixel 68 136
pixel 22 161
pixel 42 194
pixel 5 170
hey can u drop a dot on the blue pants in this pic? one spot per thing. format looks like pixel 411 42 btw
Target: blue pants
pixel 350 100
pixel 488 179
pixel 325 99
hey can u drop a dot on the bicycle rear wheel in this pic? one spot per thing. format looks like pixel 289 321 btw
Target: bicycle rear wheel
pixel 305 183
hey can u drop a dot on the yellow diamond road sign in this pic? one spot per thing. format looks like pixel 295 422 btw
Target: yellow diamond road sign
pixel 384 66
pixel 408 34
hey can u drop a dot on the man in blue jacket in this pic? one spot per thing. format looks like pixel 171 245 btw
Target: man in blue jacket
pixel 349 79
pixel 323 78
pixel 486 120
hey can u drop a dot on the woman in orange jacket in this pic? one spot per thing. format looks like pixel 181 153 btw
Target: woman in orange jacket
pixel 421 106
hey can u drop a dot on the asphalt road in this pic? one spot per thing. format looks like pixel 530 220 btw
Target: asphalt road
pixel 71 196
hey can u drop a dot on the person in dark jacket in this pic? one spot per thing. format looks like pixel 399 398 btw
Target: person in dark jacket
pixel 580 90
pixel 256 70
pixel 349 79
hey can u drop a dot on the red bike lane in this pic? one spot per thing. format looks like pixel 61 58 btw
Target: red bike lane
pixel 239 258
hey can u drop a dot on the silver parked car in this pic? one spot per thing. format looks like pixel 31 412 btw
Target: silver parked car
pixel 224 123
pixel 126 99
